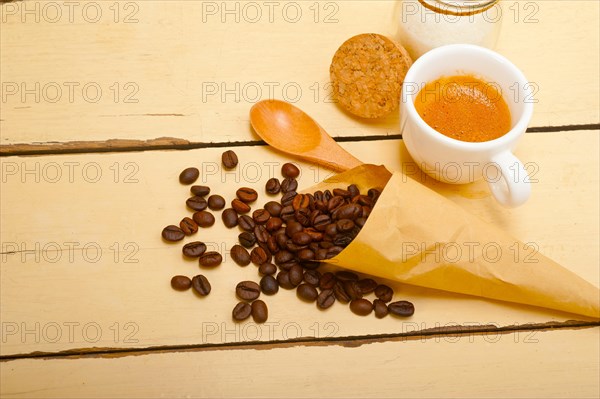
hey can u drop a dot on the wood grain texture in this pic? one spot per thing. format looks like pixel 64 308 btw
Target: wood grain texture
pixel 175 69
pixel 83 264
pixel 555 364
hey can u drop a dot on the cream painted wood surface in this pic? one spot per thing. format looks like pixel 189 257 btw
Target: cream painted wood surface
pixel 149 69
pixel 90 269
pixel 531 364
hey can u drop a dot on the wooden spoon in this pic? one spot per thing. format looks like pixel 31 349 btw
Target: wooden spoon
pixel 288 129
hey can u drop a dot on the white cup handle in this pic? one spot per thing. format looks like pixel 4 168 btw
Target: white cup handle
pixel 510 186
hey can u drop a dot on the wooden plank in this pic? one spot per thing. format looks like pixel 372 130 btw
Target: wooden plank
pixel 530 364
pixel 89 268
pixel 174 69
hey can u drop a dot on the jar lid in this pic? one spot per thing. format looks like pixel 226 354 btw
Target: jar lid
pixel 458 7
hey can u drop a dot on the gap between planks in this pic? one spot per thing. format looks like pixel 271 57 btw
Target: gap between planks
pixel 347 342
pixel 173 143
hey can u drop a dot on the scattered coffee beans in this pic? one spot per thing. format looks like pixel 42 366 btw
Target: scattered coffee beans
pixel 247 290
pixel 201 285
pixel 290 170
pixel 229 159
pixel 294 233
pixel 181 283
pixel 240 255
pixel 260 312
pixel 189 175
pixel 194 249
pixel 241 311
pixel 216 202
pixel 173 233
pixel 210 259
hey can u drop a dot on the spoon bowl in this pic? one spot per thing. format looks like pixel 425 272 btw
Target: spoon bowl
pixel 289 129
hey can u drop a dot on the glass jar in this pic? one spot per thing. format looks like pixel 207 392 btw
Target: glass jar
pixel 426 24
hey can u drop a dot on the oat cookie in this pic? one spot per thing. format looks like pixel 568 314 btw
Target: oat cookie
pixel 367 72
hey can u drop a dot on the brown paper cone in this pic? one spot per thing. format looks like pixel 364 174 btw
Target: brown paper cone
pixel 417 236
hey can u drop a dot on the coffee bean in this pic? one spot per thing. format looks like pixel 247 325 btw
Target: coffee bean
pixel 345 225
pixel 289 184
pixel 259 256
pixel 273 224
pixel 290 170
pixel 327 281
pixel 196 203
pixel 261 233
pixel 273 186
pixel 352 289
pixel 296 275
pixel 246 194
pixel 272 245
pixel 301 201
pixel 194 249
pixel 229 159
pixel 239 206
pixel 307 292
pixel 292 228
pixel 201 285
pixel 325 299
pixel 344 275
pixel 401 308
pixel 340 292
pixel 204 218
pixel 181 283
pixel 240 255
pixel 283 279
pixel 269 284
pixel 241 311
pixel 305 254
pixel 360 222
pixel 246 223
pixel 342 193
pixel 348 211
pixel 189 175
pixel 200 191
pixel 283 257
pixel 172 233
pixel 320 222
pixel 367 285
pixel 301 238
pixel 247 239
pixel 260 312
pixel 216 202
pixel 261 216
pixel 274 208
pixel 353 190
pixel 312 277
pixel 287 199
pixel 361 307
pixel 188 226
pixel 210 259
pixel 247 290
pixel 229 217
pixel 267 268
pixel 381 309
pixel 384 293
pixel 302 215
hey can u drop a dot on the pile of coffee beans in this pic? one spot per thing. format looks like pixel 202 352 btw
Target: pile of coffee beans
pixel 286 240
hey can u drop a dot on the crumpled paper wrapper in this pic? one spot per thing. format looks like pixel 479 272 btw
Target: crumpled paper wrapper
pixel 416 236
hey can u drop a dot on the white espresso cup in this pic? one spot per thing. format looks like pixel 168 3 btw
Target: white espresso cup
pixel 460 162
